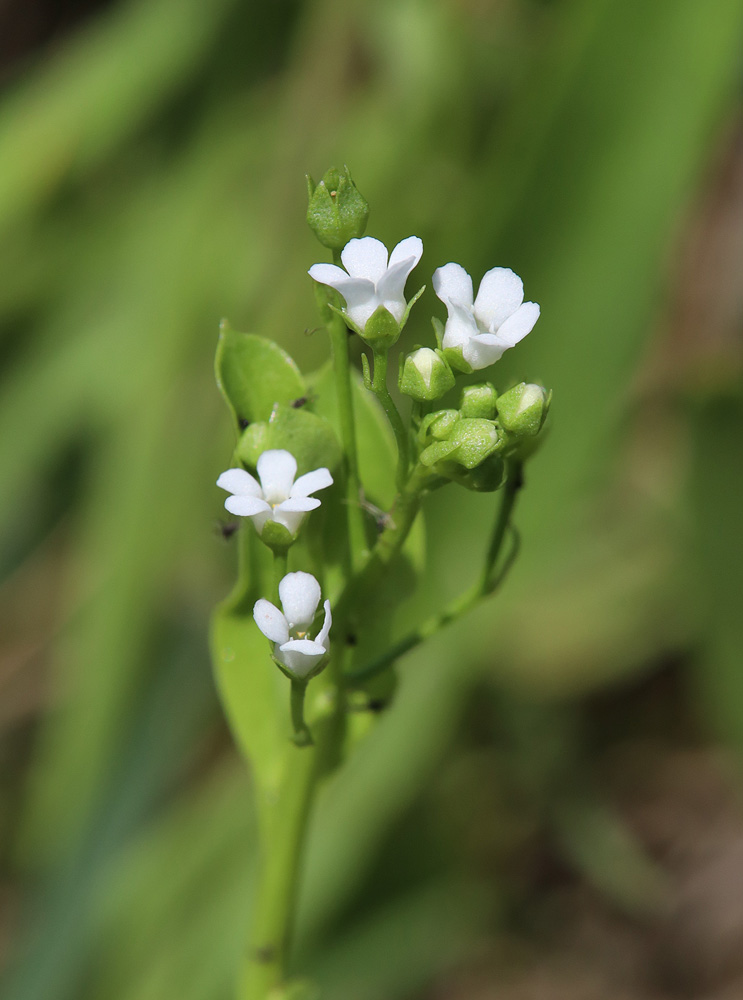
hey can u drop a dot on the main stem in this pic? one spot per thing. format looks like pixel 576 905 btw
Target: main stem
pixel 284 832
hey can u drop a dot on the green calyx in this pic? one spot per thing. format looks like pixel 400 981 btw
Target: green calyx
pixel 471 441
pixel 336 212
pixel 523 409
pixel 426 375
pixel 478 400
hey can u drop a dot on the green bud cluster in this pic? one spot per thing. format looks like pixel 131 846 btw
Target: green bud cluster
pixel 337 211
pixel 471 444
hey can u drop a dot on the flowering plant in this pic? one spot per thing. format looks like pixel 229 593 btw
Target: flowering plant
pixel 376 457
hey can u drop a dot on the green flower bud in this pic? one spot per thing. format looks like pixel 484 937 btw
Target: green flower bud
pixel 478 401
pixel 523 409
pixel 470 442
pixel 487 477
pixel 426 376
pixel 438 425
pixel 336 212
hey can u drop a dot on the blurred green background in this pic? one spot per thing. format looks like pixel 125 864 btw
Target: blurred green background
pixel 550 810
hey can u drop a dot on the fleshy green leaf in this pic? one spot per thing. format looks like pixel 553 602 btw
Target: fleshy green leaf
pixel 310 438
pixel 253 374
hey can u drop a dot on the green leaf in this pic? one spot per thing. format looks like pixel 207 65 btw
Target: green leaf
pixel 311 439
pixel 253 374
pixel 253 691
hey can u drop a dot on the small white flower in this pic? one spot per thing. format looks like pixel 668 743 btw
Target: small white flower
pixel 300 595
pixel 277 497
pixel 370 279
pixel 486 326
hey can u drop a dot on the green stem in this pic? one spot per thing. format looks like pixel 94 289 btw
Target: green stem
pixel 483 587
pixel 380 390
pixel 275 903
pixel 302 735
pixel 279 568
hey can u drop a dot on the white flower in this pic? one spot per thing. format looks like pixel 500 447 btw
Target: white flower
pixel 277 497
pixel 370 280
pixel 300 595
pixel 486 326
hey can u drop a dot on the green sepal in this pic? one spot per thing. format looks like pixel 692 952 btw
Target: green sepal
pixel 456 359
pixel 438 425
pixel 382 329
pixel 410 305
pixel 487 477
pixel 523 409
pixel 310 438
pixel 438 329
pixel 479 400
pixel 253 374
pixel 470 443
pixel 277 537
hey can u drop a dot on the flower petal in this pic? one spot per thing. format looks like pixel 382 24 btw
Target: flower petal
pixel 501 293
pixel 452 284
pixel 240 482
pixel 391 286
pixel 405 249
pixel 517 326
pixel 246 506
pixel 300 595
pixel 300 656
pixel 276 469
pixel 292 520
pixel 310 482
pixel 298 505
pixel 460 327
pixel 270 621
pixel 328 274
pixel 322 636
pixel 365 258
pixel 483 350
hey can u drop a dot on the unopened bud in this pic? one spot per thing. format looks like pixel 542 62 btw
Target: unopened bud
pixel 336 212
pixel 523 409
pixel 426 376
pixel 478 401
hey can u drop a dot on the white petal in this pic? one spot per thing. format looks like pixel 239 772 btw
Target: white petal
pixel 270 621
pixel 391 287
pixel 240 482
pixel 310 482
pixel 501 293
pixel 517 326
pixel 452 284
pixel 460 327
pixel 300 595
pixel 361 311
pixel 328 274
pixel 300 656
pixel 277 469
pixel 405 249
pixel 365 258
pixel 297 505
pixel 246 506
pixel 322 636
pixel 483 350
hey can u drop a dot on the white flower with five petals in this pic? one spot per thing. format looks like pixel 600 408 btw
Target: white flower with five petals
pixel 371 279
pixel 277 497
pixel 300 596
pixel 486 326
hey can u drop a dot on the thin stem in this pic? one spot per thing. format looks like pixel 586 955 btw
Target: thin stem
pixel 302 735
pixel 483 587
pixel 380 390
pixel 279 568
